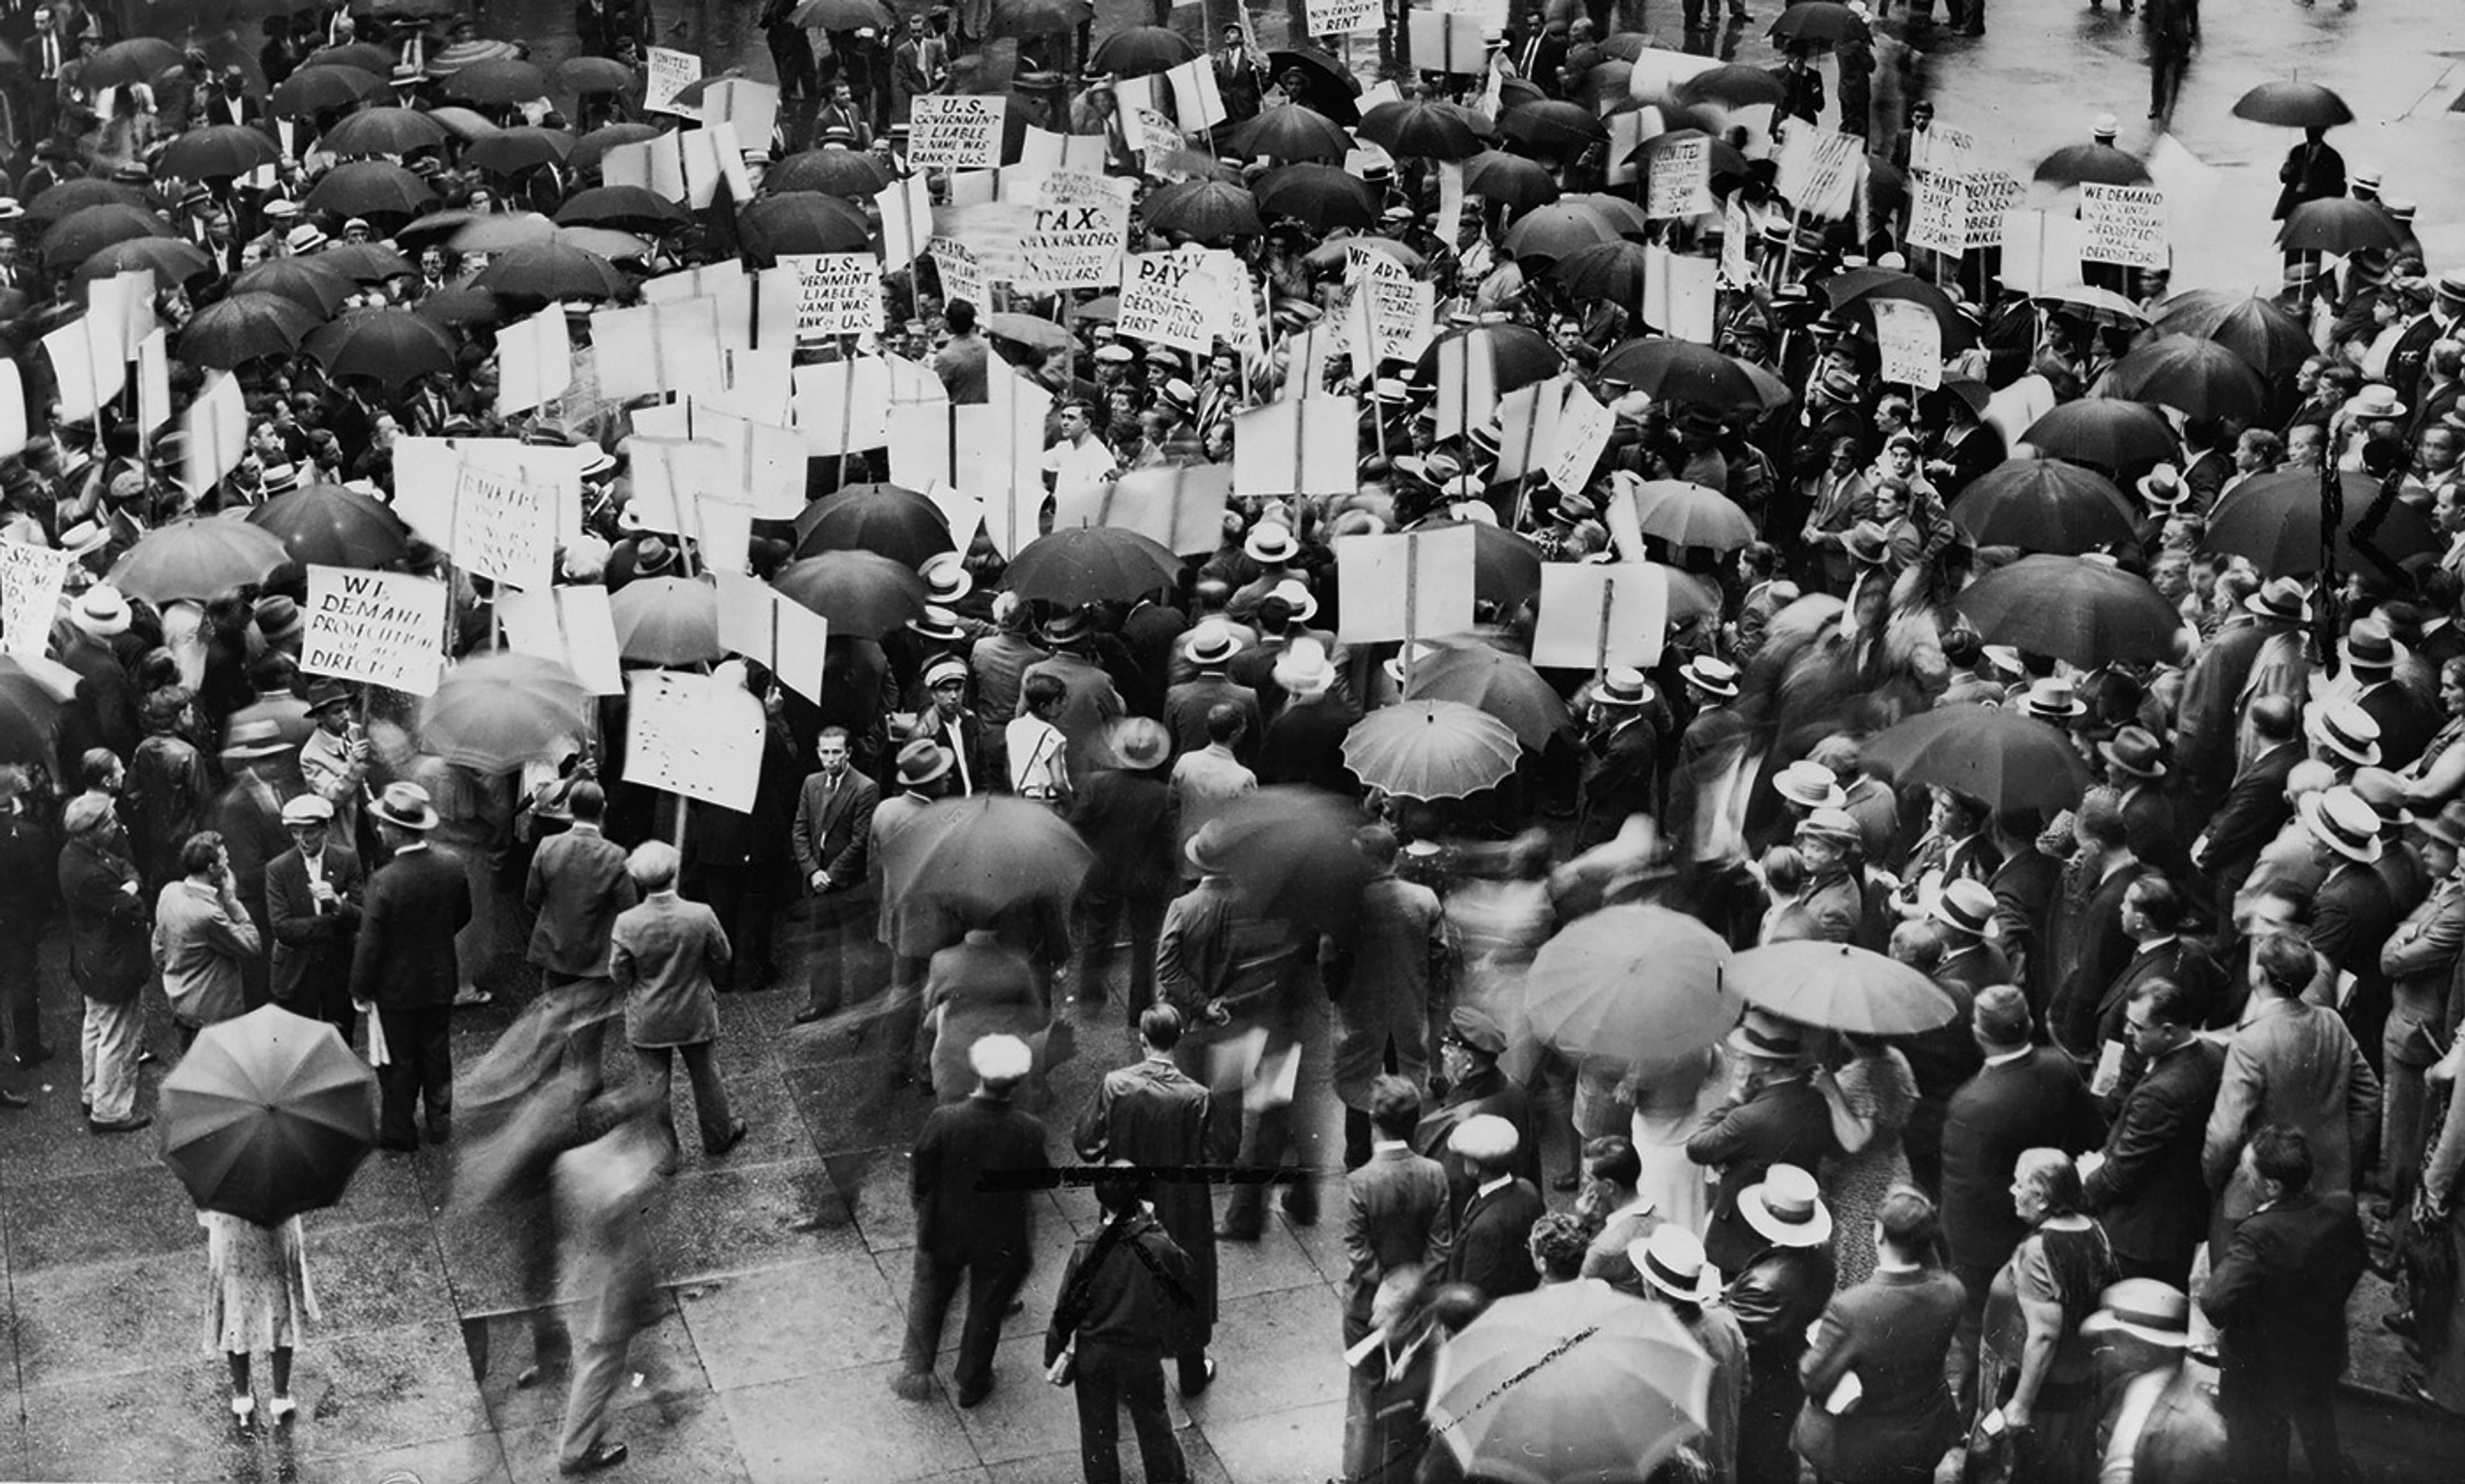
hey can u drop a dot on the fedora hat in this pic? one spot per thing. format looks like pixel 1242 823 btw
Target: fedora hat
pixel 306 237
pixel 1810 784
pixel 281 477
pixel 1304 670
pixel 1621 685
pixel 2369 645
pixel 2339 819
pixel 1712 677
pixel 406 806
pixel 1139 742
pixel 324 694
pixel 1205 850
pixel 2280 598
pixel 2345 729
pixel 2447 826
pixel 1571 508
pixel 277 618
pixel 1866 544
pixel 2005 661
pixel 1212 643
pixel 1672 1260
pixel 2144 1308
pixel 2137 751
pixel 1768 1036
pixel 1271 544
pixel 651 554
pixel 102 613
pixel 946 578
pixel 1067 628
pixel 921 762
pixel 1966 906
pixel 1390 391
pixel 2385 793
pixel 1786 1208
pixel 1836 825
pixel 2053 699
pixel 250 740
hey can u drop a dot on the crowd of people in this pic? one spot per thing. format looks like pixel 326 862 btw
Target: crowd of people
pixel 2197 1078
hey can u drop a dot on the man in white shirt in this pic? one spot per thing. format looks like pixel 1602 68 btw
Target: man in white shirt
pixel 1079 462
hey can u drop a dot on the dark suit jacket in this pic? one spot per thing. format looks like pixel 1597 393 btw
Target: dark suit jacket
pixel 1778 1293
pixel 405 958
pixel 2149 1194
pixel 2023 893
pixel 1187 704
pixel 956 1221
pixel 1153 1115
pixel 1124 819
pixel 1783 1123
pixel 832 831
pixel 2351 919
pixel 1396 1211
pixel 578 885
pixel 2036 1101
pixel 2405 724
pixel 2149 826
pixel 311 968
pixel 1304 744
pixel 109 955
pixel 1491 1250
pixel 1891 1332
pixel 2206 716
pixel 2090 948
pixel 2254 811
pixel 2179 960
pixel 2278 1295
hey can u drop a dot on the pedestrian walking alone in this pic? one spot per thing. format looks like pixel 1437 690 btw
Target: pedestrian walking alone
pixel 1118 1296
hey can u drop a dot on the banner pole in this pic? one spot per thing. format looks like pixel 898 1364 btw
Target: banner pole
pixel 1412 602
pixel 1601 640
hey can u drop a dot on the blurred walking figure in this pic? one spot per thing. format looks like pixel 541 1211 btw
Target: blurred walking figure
pixel 578 886
pixel 1121 1294
pixel 665 956
pixel 603 1193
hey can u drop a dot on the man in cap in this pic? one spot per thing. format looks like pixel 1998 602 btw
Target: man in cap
pixel 1473 1085
pixel 1117 1310
pixel 1833 907
pixel 405 968
pixel 1780 1291
pixel 312 911
pixel 2145 1186
pixel 946 721
pixel 1771 1115
pixel 1490 1249
pixel 576 888
pixel 108 958
pixel 972 1178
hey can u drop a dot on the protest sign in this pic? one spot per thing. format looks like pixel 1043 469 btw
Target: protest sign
pixel 1819 171
pixel 724 531
pixel 955 130
pixel 1990 195
pixel 87 365
pixel 1467 383
pixel 1625 136
pixel 1490 16
pixel 1307 354
pixel 12 409
pixel 1679 292
pixel 752 384
pixel 1443 42
pixel 841 294
pixel 1597 614
pixel 1911 342
pixel 755 310
pixel 667 73
pixel 662 346
pixel 154 383
pixel 1298 447
pixel 996 455
pixel 1159 140
pixel 1528 424
pixel 1196 101
pixel 1736 235
pixel 570 624
pixel 1578 439
pixel 1937 150
pixel 2122 224
pixel 763 462
pixel 30 578
pixel 962 273
pixel 842 407
pixel 382 627
pixel 2041 251
pixel 748 107
pixel 2191 186
pixel 670 477
pixel 694 735
pixel 1179 509
pixel 1939 213
pixel 1081 222
pixel 906 209
pixel 1042 149
pixel 1345 17
pixel 1451 194
pixel 1414 585
pixel 504 528
pixel 1680 184
pixel 123 309
pixel 217 429
pixel 1392 315
pixel 758 622
pixel 534 362
pixel 1166 300
pixel 710 156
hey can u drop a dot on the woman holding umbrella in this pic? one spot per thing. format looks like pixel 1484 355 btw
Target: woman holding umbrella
pixel 257 1294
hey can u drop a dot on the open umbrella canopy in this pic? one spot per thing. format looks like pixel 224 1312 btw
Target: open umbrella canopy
pixel 592 147
pixel 2079 609
pixel 1320 194
pixel 1605 272
pixel 1332 254
pixel 1091 563
pixel 1557 231
pixel 861 593
pixel 217 152
pixel 2292 105
pixel 843 15
pixel 667 621
pixel 1326 81
pixel 551 270
pixel 975 858
pixel 805 222
pixel 1427 130
pixel 123 64
pixel 460 304
pixel 2096 305
pixel 2340 225
pixel 1290 851
pixel 1037 18
pixel 2275 519
pixel 497 712
pixel 501 232
pixel 1140 50
pixel 365 262
pixel 199 559
pixel 2103 164
pixel 2196 377
pixel 497 83
pixel 54 202
pixel 2270 341
pixel 1735 84
pixel 329 525
pixel 1512 181
pixel 515 150
pixel 1503 685
pixel 1572 1381
pixel 88 229
pixel 460 122
pixel 847 173
pixel 1679 370
pixel 1840 987
pixel 29 717
pixel 1689 515
pixel 2106 431
pixel 1519 355
pixel 171 261
pixel 1552 128
pixel 243 327
pixel 1431 749
pixel 1291 132
pixel 624 208
pixel 369 188
pixel 363 56
pixel 391 347
pixel 383 131
pixel 313 90
pixel 267 1116
pixel 1632 985
pixel 1855 300
pixel 587 76
pixel 883 518
pixel 1204 210
pixel 1616 210
pixel 1817 21
pixel 2001 756
pixel 2045 504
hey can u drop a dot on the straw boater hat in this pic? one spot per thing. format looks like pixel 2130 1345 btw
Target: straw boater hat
pixel 937 623
pixel 1295 594
pixel 1000 1059
pixel 1810 784
pixel 1304 670
pixel 406 806
pixel 1212 643
pixel 2375 403
pixel 946 578
pixel 2145 1309
pixel 2339 819
pixel 248 741
pixel 1067 628
pixel 102 613
pixel 1713 677
pixel 1768 1036
pixel 1966 906
pixel 1785 1208
pixel 1271 544
pixel 1672 1260
pixel 2345 729
pixel 2162 489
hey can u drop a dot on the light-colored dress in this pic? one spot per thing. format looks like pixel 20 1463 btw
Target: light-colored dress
pixel 1881 1090
pixel 256 1285
pixel 1669 1104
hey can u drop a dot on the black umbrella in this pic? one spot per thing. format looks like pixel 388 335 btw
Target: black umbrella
pixel 267 1116
pixel 2102 164
pixel 883 518
pixel 242 328
pixel 1557 231
pixel 2106 431
pixel 1513 181
pixel 1328 85
pixel 171 261
pixel 1091 563
pixel 306 281
pixel 384 131
pixel 1290 851
pixel 217 152
pixel 329 525
pixel 1142 50
pixel 2274 520
pixel 2044 504
pixel 515 150
pixel 1204 210
pixel 1606 273
pixel 313 90
pixel 1320 194
pixel 625 208
pixel 1818 21
pixel 392 346
pixel 69 196
pixel 369 188
pixel 497 83
pixel 2292 105
pixel 1429 130
pixel 2089 611
pixel 862 594
pixel 551 270
pixel 2008 760
pixel 804 223
pixel 2269 339
pixel 1552 128
pixel 1735 84
pixel 847 173
pixel 592 147
pixel 126 63
pixel 2198 378
pixel 1680 370
pixel 364 262
pixel 2340 225
pixel 1290 131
